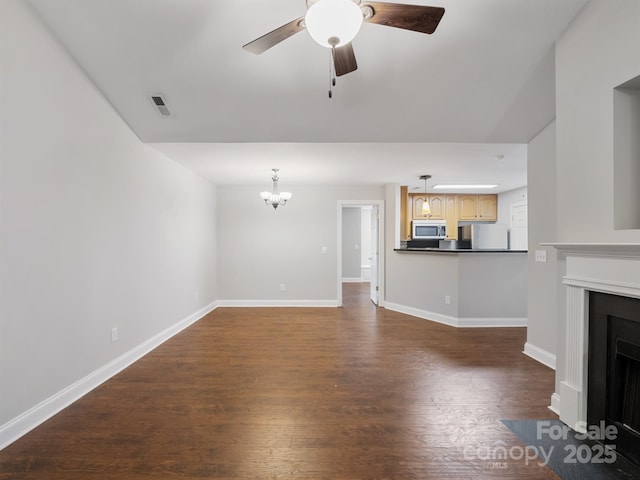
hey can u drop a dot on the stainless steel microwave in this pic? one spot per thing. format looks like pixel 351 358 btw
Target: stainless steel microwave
pixel 428 230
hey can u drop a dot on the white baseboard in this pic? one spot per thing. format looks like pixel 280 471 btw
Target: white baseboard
pixel 540 355
pixel 277 303
pixel 352 280
pixel 468 322
pixel 464 322
pixel 555 404
pixel 27 421
pixel 416 312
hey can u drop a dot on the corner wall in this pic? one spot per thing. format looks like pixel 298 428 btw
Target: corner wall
pixel 97 230
pixel 543 278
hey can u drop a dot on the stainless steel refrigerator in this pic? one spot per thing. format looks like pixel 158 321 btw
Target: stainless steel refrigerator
pixel 491 236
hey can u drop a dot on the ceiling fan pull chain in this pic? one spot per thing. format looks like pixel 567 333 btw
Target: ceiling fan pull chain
pixel 332 78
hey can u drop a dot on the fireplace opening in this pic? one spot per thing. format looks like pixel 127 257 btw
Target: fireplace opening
pixel 613 391
pixel 627 382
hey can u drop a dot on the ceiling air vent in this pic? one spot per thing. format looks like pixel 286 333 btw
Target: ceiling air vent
pixel 161 105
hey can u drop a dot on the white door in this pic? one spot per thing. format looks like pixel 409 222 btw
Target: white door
pixel 519 226
pixel 375 256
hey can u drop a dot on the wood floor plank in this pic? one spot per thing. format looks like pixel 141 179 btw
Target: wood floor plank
pixel 301 393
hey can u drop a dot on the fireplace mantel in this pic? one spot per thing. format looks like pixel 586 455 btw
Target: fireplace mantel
pixel 602 267
pixel 630 250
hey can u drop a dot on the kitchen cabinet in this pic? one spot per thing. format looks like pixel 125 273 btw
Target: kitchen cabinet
pixel 488 208
pixel 467 207
pixel 451 215
pixel 478 208
pixel 451 207
pixel 405 216
pixel 436 204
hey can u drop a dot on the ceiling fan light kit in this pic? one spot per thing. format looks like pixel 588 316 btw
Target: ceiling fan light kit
pixel 335 23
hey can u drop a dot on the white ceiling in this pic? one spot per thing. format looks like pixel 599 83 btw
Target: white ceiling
pixel 485 79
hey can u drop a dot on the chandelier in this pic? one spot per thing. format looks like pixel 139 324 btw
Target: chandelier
pixel 275 198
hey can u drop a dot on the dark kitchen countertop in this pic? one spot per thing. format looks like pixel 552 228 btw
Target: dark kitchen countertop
pixel 454 250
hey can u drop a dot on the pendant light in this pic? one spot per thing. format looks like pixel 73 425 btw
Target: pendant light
pixel 275 198
pixel 426 210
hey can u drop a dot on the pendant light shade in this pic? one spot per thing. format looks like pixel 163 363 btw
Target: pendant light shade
pixel 426 209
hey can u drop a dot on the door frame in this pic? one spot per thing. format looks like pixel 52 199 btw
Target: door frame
pixel 381 276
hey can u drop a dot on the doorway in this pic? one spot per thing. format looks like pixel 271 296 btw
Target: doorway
pixel 358 260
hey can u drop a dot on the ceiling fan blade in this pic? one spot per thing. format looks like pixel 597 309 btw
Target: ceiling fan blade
pixel 268 40
pixel 409 17
pixel 344 59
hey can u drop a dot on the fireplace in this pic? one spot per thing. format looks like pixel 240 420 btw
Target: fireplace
pixel 608 341
pixel 613 395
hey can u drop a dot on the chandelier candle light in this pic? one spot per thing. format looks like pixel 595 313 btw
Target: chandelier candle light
pixel 275 198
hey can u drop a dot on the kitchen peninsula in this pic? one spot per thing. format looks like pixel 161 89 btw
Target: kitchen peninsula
pixel 447 281
pixel 461 287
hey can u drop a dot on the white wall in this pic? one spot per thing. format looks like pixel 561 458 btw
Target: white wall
pixel 365 239
pixel 598 51
pixel 422 281
pixel 492 285
pixel 542 277
pixel 97 230
pixel 506 199
pixel 260 249
pixel 351 242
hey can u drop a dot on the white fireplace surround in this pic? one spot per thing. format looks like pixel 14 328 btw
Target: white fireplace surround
pixel 606 268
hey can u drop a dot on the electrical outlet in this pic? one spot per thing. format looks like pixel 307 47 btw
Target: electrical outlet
pixel 283 287
pixel 447 300
pixel 195 295
pixel 325 250
pixel 114 334
pixel 541 256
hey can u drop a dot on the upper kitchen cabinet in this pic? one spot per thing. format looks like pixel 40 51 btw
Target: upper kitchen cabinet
pixel 436 204
pixel 467 207
pixel 482 208
pixel 488 208
pixel 451 215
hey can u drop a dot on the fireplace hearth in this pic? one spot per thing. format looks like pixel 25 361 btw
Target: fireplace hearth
pixel 614 369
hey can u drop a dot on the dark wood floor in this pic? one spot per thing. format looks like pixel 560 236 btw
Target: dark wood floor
pixel 301 393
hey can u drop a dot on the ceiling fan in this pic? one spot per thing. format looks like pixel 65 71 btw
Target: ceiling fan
pixel 334 23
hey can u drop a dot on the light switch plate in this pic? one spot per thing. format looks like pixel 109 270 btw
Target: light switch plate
pixel 541 256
